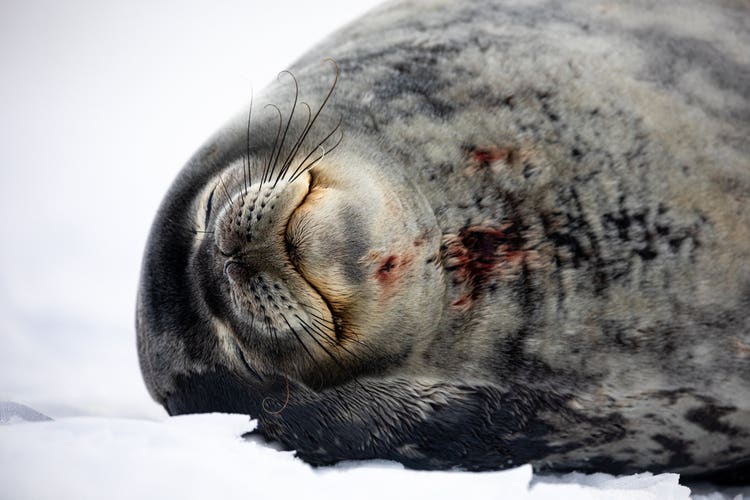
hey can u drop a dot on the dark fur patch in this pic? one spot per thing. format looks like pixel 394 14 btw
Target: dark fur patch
pixel 708 417
pixel 678 449
pixel 217 390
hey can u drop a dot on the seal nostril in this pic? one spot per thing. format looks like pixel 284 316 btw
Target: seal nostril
pixel 235 271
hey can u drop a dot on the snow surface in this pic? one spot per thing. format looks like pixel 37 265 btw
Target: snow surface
pixel 102 102
pixel 203 456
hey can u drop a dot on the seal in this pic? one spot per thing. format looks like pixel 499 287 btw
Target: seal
pixel 482 234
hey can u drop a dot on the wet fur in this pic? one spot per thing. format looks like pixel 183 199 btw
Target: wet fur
pixel 588 166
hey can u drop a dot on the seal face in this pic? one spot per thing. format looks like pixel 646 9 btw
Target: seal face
pixel 303 269
pixel 505 234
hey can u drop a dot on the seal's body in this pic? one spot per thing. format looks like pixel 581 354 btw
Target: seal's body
pixel 527 239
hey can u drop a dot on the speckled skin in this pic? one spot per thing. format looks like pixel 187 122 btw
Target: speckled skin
pixel 585 168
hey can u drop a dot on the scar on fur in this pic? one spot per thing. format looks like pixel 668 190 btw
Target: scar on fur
pixel 391 269
pixel 496 158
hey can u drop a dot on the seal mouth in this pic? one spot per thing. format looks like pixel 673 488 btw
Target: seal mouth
pixel 291 234
pixel 294 235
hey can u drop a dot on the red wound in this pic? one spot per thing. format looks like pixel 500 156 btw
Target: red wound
pixel 484 157
pixel 479 255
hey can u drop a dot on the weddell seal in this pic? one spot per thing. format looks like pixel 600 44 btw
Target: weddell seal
pixel 475 234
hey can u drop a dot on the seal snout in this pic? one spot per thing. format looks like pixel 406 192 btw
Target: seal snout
pixel 268 296
pixel 256 217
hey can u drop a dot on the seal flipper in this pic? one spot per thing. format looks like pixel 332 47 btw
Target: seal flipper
pixel 421 425
pixel 217 390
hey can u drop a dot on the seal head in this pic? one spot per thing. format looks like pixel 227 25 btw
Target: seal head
pixel 315 271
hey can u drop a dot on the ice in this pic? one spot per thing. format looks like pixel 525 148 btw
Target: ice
pixel 12 413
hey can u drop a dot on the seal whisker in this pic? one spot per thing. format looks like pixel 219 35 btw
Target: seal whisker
pixel 348 337
pixel 299 170
pixel 246 170
pixel 209 206
pixel 302 169
pixel 267 169
pixel 326 327
pixel 294 332
pixel 323 104
pixel 226 191
pixel 330 326
pixel 302 343
pixel 189 229
pixel 322 335
pixel 288 123
pixel 314 338
pixel 352 378
pixel 247 366
pixel 283 405
pixel 323 155
pixel 270 329
pixel 298 143
pixel 311 312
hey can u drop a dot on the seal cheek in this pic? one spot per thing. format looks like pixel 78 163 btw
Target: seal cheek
pixel 329 238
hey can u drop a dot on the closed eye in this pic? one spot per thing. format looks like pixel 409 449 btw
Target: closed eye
pixel 208 207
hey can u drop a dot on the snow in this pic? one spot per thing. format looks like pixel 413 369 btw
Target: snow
pixel 203 456
pixel 102 102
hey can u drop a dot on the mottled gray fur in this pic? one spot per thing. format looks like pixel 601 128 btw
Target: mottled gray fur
pixel 608 325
